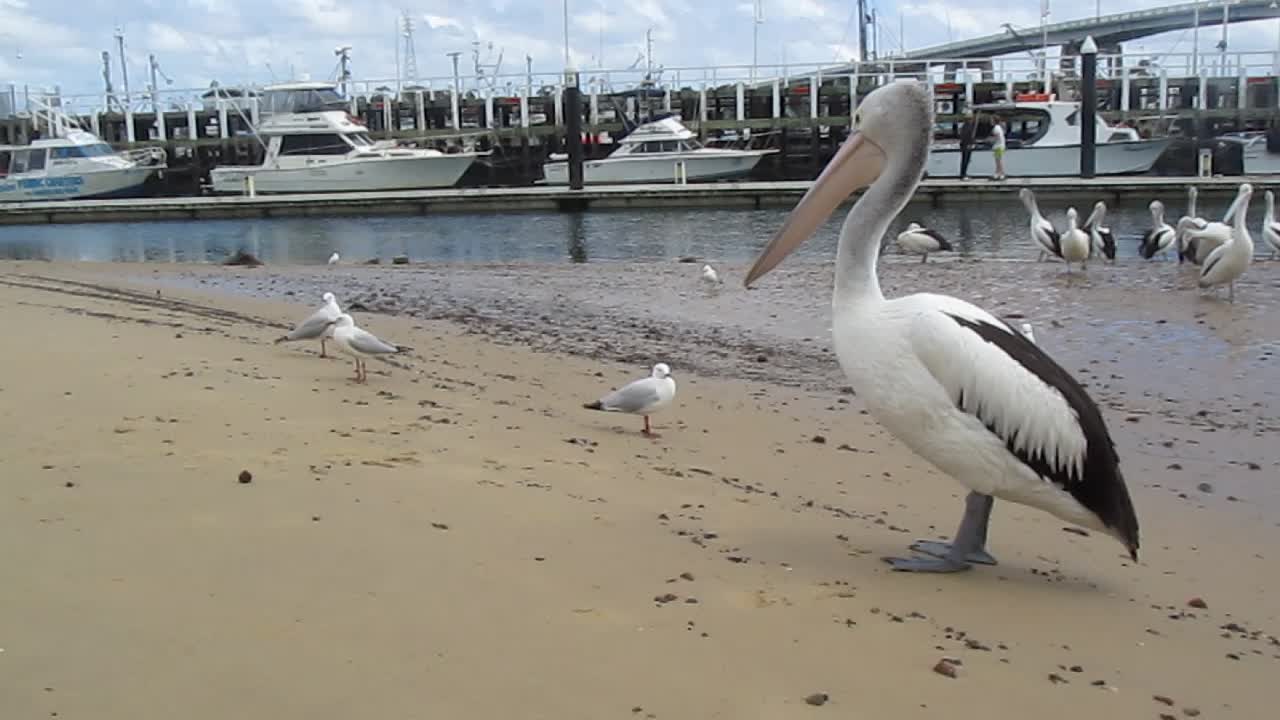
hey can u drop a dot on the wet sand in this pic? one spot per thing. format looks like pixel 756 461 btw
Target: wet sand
pixel 458 538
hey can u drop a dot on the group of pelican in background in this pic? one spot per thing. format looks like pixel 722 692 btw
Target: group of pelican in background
pixel 1222 250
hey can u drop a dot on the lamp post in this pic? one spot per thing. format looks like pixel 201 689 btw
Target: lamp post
pixel 572 111
pixel 1088 107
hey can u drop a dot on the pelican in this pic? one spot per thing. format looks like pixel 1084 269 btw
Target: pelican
pixel 1200 238
pixel 1101 240
pixel 318 326
pixel 710 277
pixel 333 259
pixel 1190 220
pixel 922 241
pixel 1229 260
pixel 645 396
pixel 1043 233
pixel 959 387
pixel 1271 228
pixel 1160 237
pixel 1074 243
pixel 359 343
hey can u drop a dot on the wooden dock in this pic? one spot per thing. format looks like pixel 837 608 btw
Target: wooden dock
pixel 1114 190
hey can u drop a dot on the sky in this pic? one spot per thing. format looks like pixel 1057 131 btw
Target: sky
pixel 235 41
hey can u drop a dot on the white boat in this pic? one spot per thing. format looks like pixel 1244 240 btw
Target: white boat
pixel 313 145
pixel 1258 159
pixel 662 151
pixel 1042 139
pixel 75 166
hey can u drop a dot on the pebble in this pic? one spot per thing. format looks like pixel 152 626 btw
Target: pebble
pixel 946 667
pixel 1198 603
pixel 1057 679
pixel 665 598
pixel 246 477
pixel 1205 487
pixel 819 440
pixel 817 699
pixel 1191 712
pixel 1163 699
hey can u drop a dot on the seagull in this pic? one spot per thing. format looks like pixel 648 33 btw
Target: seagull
pixel 1160 237
pixel 1100 237
pixel 1043 233
pixel 333 259
pixel 359 343
pixel 1271 228
pixel 922 241
pixel 318 326
pixel 952 382
pixel 710 276
pixel 1074 243
pixel 1228 261
pixel 645 396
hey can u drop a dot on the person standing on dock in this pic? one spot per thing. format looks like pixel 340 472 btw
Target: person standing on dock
pixel 997 147
pixel 968 131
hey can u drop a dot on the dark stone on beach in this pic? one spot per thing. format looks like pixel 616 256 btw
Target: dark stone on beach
pixel 246 477
pixel 1205 487
pixel 1198 603
pixel 947 668
pixel 400 260
pixel 243 258
pixel 373 261
pixel 817 699
pixel 1057 679
pixel 819 439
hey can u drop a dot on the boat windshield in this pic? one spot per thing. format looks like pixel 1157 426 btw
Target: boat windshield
pixel 301 100
pixel 360 139
pixel 78 151
pixel 1024 125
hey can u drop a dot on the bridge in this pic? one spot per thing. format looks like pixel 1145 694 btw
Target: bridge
pixel 1108 30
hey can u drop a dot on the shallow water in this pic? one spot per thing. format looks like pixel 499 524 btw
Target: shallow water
pixel 728 235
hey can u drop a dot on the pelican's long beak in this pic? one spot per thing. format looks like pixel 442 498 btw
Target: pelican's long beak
pixel 856 165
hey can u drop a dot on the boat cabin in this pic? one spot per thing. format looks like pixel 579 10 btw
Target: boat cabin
pixel 667 135
pixel 1049 123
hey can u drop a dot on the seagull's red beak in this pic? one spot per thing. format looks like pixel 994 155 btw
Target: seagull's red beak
pixel 856 165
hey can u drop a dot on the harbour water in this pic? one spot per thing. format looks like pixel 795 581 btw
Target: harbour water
pixel 996 229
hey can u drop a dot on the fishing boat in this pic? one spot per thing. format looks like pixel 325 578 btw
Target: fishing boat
pixel 1042 139
pixel 1259 159
pixel 76 165
pixel 313 145
pixel 661 151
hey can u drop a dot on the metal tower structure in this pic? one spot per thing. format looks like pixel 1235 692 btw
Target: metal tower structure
pixel 410 54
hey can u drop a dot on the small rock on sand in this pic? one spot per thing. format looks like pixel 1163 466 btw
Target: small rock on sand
pixel 1198 603
pixel 246 477
pixel 946 667
pixel 817 699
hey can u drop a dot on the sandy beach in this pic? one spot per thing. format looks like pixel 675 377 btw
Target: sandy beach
pixel 458 538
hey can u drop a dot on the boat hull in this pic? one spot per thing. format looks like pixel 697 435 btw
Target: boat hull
pixel 620 171
pixel 1119 158
pixel 113 183
pixel 363 175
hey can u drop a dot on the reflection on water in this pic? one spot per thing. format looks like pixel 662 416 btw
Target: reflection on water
pixel 726 235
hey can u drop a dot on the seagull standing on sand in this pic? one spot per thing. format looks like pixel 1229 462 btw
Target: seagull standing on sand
pixel 359 343
pixel 641 397
pixel 955 384
pixel 333 259
pixel 318 326
pixel 922 241
pixel 710 277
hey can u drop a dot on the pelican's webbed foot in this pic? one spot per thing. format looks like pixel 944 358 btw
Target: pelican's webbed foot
pixel 941 549
pixel 929 565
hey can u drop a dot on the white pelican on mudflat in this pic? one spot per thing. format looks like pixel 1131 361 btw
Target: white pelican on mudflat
pixel 1199 238
pixel 1101 240
pixel 1271 228
pixel 645 396
pixel 1190 220
pixel 1160 238
pixel 921 241
pixel 1229 260
pixel 1074 243
pixel 1043 234
pixel 710 277
pixel 958 386
pixel 319 326
pixel 360 343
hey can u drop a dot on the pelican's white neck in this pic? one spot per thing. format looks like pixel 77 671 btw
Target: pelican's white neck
pixel 866 224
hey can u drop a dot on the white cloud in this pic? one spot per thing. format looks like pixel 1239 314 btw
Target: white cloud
pixel 332 16
pixel 439 22
pixel 797 9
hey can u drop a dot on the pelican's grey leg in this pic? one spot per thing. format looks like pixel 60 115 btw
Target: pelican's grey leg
pixel 968 546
